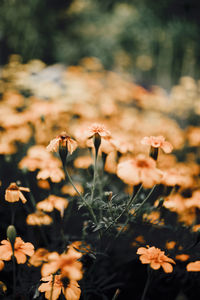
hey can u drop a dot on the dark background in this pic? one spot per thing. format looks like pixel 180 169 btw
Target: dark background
pixel 156 41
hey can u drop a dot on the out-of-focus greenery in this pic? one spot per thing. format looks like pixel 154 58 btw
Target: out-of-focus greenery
pixel 157 41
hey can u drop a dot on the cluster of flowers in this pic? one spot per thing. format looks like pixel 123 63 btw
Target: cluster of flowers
pixel 91 101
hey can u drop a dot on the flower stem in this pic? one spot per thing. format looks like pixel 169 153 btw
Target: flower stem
pixel 82 198
pixel 94 176
pixel 147 284
pixel 131 200
pixel 14 275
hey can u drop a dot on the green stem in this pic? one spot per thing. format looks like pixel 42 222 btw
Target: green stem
pixel 14 275
pixel 85 203
pixel 131 200
pixel 147 284
pixel 94 176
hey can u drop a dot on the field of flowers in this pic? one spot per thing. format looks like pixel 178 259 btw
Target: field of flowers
pixel 99 184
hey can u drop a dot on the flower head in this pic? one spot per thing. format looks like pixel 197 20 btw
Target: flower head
pixel 52 202
pixel 38 218
pixel 14 194
pixel 62 141
pixel 156 258
pixel 157 142
pixel 194 266
pixel 99 129
pixel 68 264
pixel 21 249
pixel 71 290
pixel 139 170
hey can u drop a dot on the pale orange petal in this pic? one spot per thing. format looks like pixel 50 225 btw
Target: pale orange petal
pixel 154 265
pixel 167 267
pixel 20 257
pixel 21 196
pixel 167 147
pixel 194 266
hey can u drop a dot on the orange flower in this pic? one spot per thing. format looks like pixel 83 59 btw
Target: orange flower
pixel 157 142
pixel 71 291
pixel 96 128
pixel 156 258
pixel 194 266
pixel 21 249
pixel 55 174
pixel 68 189
pixel 182 257
pixel 83 162
pixel 38 257
pixel 52 202
pixel 139 170
pixel 67 263
pixel 62 140
pixel 13 193
pixel 38 218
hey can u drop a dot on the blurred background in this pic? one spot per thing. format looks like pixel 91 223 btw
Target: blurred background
pixel 155 41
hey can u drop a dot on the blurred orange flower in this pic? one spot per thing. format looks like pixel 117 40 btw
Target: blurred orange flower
pixel 193 266
pixel 71 291
pixel 14 194
pixel 38 257
pixel 156 258
pixel 182 257
pixel 55 174
pixel 157 142
pixel 68 264
pixel 52 202
pixel 62 140
pixel 140 169
pixel 21 249
pixel 38 218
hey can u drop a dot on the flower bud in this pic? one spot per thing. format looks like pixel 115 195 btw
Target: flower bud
pixel 153 153
pixel 11 234
pixel 97 142
pixel 63 149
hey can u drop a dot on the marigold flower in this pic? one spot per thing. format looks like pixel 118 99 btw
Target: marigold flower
pixel 193 266
pixel 38 218
pixel 21 249
pixel 96 128
pixel 52 202
pixel 156 258
pixel 71 291
pixel 157 142
pixel 14 194
pixel 67 263
pixel 40 256
pixel 55 174
pixel 62 140
pixel 139 170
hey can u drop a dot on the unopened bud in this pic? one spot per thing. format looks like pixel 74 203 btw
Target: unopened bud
pixel 97 142
pixel 11 234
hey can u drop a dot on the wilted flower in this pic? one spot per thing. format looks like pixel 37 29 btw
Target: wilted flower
pixel 21 249
pixel 139 170
pixel 156 258
pixel 71 290
pixel 63 141
pixel 14 194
